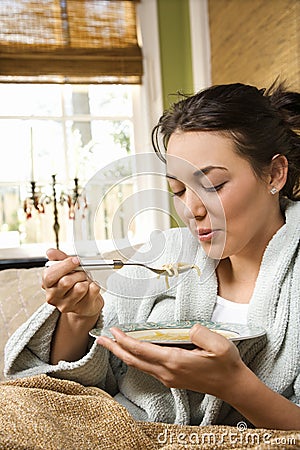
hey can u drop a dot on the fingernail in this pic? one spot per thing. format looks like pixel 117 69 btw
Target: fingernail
pixel 75 260
pixel 114 330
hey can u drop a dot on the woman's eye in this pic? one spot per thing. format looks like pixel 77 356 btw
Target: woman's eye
pixel 178 193
pixel 214 188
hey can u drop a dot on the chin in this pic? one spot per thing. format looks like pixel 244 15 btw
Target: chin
pixel 214 251
pixel 215 248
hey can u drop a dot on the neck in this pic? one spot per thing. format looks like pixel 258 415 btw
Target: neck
pixel 237 273
pixel 245 265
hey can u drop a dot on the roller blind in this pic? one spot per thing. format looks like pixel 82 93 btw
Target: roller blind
pixel 69 41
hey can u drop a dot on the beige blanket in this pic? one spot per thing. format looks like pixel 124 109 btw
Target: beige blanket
pixel 50 414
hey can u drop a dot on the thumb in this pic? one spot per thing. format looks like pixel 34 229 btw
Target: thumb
pixel 55 255
pixel 208 340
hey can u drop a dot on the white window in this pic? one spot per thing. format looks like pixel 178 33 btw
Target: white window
pixel 62 130
pixel 71 132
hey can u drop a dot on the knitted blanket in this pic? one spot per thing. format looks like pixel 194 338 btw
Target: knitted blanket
pixel 45 413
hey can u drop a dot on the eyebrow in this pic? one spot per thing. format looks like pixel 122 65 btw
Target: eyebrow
pixel 200 172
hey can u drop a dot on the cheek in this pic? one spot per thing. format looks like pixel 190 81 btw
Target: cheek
pixel 180 208
pixel 241 204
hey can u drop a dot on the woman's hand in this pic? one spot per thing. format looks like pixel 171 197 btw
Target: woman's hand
pixel 78 299
pixel 70 291
pixel 215 368
pixel 210 368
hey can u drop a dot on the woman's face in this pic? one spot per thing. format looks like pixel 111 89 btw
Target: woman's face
pixel 217 194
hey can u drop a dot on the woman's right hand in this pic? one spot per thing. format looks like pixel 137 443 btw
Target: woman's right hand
pixel 70 291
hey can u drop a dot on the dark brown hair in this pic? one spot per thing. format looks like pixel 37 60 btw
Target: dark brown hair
pixel 261 122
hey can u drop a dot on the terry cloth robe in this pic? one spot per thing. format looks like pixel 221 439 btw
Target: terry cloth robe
pixel 134 295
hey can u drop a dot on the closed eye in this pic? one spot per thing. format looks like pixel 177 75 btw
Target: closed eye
pixel 214 188
pixel 178 193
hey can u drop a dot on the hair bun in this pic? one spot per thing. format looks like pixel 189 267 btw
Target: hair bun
pixel 287 103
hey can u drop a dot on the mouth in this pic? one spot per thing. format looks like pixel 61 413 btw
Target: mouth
pixel 205 234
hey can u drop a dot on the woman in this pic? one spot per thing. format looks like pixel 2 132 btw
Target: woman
pixel 233 164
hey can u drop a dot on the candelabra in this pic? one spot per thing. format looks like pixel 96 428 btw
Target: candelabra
pixel 37 201
pixel 72 199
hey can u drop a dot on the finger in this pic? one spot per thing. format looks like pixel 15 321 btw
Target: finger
pixel 75 290
pixel 69 300
pixel 85 292
pixel 130 359
pixel 63 284
pixel 145 350
pixel 212 343
pixel 52 274
pixel 94 288
pixel 142 351
pixel 55 255
pixel 92 301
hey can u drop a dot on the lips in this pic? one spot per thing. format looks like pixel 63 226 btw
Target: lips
pixel 205 234
pixel 203 231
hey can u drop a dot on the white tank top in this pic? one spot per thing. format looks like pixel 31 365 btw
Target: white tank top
pixel 227 311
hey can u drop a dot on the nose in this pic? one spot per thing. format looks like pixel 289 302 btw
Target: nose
pixel 193 205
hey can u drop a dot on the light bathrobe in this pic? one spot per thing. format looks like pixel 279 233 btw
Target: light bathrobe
pixel 132 296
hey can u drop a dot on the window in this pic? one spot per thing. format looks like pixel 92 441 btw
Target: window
pixel 71 129
pixel 65 131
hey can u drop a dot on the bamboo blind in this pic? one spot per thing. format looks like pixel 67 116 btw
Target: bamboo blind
pixel 76 41
pixel 254 41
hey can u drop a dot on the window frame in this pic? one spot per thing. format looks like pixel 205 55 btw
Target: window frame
pixel 147 108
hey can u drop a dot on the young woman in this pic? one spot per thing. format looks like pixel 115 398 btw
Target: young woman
pixel 233 165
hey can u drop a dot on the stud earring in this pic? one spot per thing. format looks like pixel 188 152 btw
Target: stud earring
pixel 273 190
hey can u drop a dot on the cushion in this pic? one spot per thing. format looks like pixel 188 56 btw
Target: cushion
pixel 20 295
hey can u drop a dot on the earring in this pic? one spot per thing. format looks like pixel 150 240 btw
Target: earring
pixel 273 190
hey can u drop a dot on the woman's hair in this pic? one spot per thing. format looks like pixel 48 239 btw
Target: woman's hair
pixel 261 122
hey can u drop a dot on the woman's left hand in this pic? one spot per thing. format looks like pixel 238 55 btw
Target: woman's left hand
pixel 210 368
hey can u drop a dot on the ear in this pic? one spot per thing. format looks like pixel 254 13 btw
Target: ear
pixel 278 172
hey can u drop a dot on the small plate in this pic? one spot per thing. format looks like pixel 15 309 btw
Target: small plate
pixel 177 332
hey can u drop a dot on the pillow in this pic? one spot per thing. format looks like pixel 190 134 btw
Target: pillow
pixel 20 295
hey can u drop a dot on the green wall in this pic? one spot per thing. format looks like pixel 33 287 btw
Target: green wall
pixel 176 58
pixel 175 48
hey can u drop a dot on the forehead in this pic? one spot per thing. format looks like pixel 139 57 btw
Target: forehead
pixel 201 145
pixel 194 150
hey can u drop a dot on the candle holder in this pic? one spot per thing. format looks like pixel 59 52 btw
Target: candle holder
pixel 72 198
pixel 56 225
pixel 37 201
